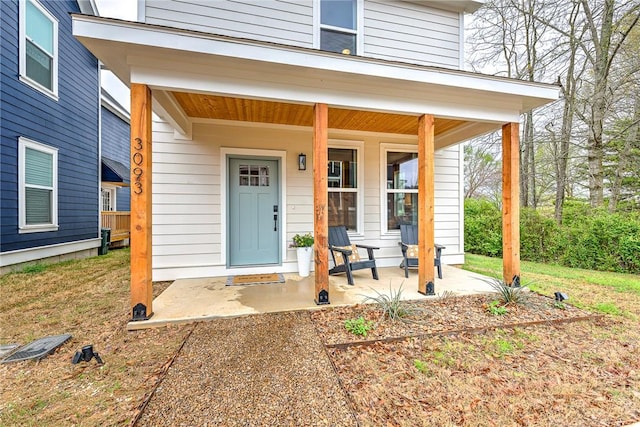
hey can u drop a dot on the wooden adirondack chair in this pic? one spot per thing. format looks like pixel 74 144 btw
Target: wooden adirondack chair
pixel 409 245
pixel 345 255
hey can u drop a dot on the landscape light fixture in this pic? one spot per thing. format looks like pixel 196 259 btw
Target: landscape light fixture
pixel 86 354
pixel 560 296
pixel 302 162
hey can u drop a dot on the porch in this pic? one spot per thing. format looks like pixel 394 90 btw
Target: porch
pixel 199 83
pixel 192 300
pixel 118 222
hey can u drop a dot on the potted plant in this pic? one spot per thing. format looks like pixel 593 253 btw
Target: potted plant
pixel 304 248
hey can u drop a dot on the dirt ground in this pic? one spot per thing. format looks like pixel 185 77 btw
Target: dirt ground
pixel 452 364
pixel 563 373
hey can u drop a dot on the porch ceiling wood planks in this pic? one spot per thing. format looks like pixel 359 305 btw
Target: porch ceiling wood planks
pixel 248 110
pixel 205 106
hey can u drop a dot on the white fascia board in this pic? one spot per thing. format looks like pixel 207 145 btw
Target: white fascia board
pixel 124 32
pixel 405 100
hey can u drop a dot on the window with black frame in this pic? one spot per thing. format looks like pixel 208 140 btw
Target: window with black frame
pixel 402 189
pixel 343 187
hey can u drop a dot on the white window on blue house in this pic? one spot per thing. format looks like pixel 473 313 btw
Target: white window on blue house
pixel 339 26
pixel 38 47
pixel 37 187
pixel 108 199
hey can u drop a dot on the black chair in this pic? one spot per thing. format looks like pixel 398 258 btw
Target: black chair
pixel 409 240
pixel 345 255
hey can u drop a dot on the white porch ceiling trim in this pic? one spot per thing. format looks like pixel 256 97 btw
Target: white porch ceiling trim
pixel 166 106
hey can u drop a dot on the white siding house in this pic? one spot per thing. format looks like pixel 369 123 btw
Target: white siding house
pixel 372 97
pixel 277 21
pixel 424 33
pixel 189 193
pixel 414 33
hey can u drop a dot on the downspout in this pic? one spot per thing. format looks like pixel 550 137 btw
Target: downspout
pixel 99 150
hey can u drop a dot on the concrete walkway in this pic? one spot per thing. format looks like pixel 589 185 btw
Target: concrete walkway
pixel 188 300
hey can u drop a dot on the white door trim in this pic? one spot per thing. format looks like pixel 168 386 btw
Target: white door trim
pixel 281 155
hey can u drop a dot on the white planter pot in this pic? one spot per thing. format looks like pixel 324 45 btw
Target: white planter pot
pixel 304 260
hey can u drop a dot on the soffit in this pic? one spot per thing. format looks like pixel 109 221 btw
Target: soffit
pixel 202 106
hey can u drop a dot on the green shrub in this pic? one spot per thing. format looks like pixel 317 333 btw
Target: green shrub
pixel 482 228
pixel 604 241
pixel 588 238
pixel 541 238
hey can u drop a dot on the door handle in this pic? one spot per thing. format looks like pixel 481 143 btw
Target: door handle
pixel 275 217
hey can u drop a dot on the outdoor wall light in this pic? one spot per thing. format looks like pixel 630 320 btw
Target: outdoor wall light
pixel 560 296
pixel 302 162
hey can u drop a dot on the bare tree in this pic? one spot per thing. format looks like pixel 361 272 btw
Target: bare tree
pixel 568 86
pixel 578 42
pixel 600 45
pixel 605 48
pixel 512 38
pixel 482 168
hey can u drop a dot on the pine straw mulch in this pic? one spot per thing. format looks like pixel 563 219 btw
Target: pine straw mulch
pixel 456 364
pixel 443 315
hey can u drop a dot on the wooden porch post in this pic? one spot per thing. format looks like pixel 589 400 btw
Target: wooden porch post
pixel 426 237
pixel 320 202
pixel 511 204
pixel 141 287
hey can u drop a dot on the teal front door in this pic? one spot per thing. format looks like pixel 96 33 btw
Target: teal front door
pixel 254 212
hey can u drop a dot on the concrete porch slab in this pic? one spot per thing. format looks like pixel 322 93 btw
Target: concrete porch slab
pixel 190 300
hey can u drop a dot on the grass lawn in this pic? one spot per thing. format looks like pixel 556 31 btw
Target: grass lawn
pixel 609 293
pixel 88 299
pixel 584 373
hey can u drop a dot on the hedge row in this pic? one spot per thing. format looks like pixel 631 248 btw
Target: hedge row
pixel 588 238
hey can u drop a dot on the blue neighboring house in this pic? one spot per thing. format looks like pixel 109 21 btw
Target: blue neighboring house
pixel 114 188
pixel 49 135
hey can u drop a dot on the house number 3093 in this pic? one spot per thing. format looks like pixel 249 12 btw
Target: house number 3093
pixel 137 159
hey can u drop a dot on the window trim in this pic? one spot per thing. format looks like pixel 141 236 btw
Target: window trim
pixel 359 31
pixel 359 190
pixel 384 149
pixel 52 93
pixel 23 227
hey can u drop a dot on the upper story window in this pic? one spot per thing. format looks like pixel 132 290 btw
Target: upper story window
pixel 345 186
pixel 339 26
pixel 37 187
pixel 400 192
pixel 38 47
